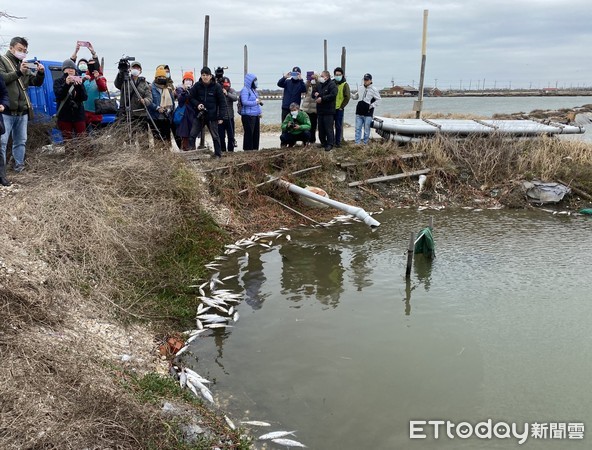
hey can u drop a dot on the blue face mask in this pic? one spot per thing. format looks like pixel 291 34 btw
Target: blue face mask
pixel 338 78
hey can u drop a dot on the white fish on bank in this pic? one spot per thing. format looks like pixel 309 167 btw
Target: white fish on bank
pixel 276 434
pixel 217 325
pixel 207 395
pixel 194 374
pixel 229 277
pixel 199 324
pixel 183 350
pixel 230 423
pixel 182 379
pixel 256 423
pixel 289 443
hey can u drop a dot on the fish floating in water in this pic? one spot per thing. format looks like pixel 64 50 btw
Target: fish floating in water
pixel 289 443
pixel 256 423
pixel 276 434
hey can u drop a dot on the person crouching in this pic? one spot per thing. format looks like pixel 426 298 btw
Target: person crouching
pixel 295 127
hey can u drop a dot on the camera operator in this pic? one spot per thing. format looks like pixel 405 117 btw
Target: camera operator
pixel 163 103
pixel 138 104
pixel 70 96
pixel 295 127
pixel 226 128
pixel 208 100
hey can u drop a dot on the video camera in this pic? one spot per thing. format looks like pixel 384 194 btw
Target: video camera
pixel 219 74
pixel 124 63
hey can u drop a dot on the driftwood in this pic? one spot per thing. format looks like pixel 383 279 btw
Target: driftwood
pixel 390 177
pixel 271 179
pixel 403 157
pixel 578 191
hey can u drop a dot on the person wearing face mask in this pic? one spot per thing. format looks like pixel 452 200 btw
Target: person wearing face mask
pixel 17 77
pixel 309 106
pixel 170 83
pixel 293 87
pixel 162 106
pixel 343 96
pixel 226 128
pixel 295 127
pixel 95 85
pixel 369 99
pixel 138 102
pixel 251 113
pixel 324 94
pixel 70 96
pixel 82 65
pixel 183 128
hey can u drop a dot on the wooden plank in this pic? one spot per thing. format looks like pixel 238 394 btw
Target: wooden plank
pixel 390 177
pixel 403 157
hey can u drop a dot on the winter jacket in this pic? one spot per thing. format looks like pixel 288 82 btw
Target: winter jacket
pixel 184 128
pixel 343 94
pixel 301 119
pixel 73 104
pixel 231 96
pixel 93 87
pixel 369 99
pixel 249 97
pixel 156 99
pixel 5 101
pixel 18 98
pixel 293 90
pixel 328 93
pixel 138 108
pixel 211 96
pixel 309 106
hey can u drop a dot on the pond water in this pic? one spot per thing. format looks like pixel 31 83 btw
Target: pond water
pixel 332 341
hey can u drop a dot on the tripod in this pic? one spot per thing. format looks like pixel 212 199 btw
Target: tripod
pixel 126 96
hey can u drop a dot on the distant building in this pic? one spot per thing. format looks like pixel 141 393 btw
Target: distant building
pixel 400 91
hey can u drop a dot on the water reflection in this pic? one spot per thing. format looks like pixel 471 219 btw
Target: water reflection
pixel 253 278
pixel 422 266
pixel 312 270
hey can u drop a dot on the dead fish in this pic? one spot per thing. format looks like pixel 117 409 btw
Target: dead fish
pixel 183 350
pixel 231 311
pixel 182 379
pixel 221 258
pixel 207 395
pixel 199 324
pixel 288 237
pixel 212 318
pixel 196 375
pixel 288 443
pixel 192 389
pixel 235 317
pixel 276 434
pixel 195 382
pixel 256 423
pixel 229 277
pixel 201 291
pixel 229 422
pixel 217 325
pixel 191 339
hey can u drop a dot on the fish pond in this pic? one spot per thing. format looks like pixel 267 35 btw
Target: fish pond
pixel 334 343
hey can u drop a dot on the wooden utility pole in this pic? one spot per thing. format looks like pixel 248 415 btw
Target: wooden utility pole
pixel 246 61
pixel 343 59
pixel 206 43
pixel 418 105
pixel 325 60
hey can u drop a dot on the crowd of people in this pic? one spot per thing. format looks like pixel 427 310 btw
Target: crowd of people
pixel 309 107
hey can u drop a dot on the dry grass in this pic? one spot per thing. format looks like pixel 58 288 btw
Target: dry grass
pixel 88 237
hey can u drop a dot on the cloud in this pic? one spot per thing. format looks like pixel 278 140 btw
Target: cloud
pixel 520 41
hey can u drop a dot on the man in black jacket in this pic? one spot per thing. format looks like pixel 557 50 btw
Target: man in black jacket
pixel 208 100
pixel 325 94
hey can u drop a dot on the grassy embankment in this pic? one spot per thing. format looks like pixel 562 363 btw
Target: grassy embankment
pixel 117 237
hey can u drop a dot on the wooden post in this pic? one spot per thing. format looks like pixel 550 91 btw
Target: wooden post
pixel 325 54
pixel 418 106
pixel 431 223
pixel 410 255
pixel 343 59
pixel 246 61
pixel 202 139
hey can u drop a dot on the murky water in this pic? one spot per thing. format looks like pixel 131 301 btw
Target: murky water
pixel 334 343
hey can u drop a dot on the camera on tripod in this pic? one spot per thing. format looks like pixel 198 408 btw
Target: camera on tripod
pixel 124 63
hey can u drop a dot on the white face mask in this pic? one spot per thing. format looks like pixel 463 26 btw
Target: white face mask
pixel 135 73
pixel 168 74
pixel 255 84
pixel 20 55
pixel 294 114
pixel 313 81
pixel 83 67
pixel 187 83
pixel 322 79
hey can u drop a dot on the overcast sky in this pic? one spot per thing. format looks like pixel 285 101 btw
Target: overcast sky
pixel 502 43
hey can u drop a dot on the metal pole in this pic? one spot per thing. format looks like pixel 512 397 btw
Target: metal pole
pixel 206 43
pixel 246 60
pixel 325 49
pixel 418 106
pixel 343 54
pixel 410 255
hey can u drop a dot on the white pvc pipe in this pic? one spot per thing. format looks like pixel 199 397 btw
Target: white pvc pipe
pixel 353 210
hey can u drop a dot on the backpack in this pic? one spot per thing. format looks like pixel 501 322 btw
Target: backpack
pixel 239 106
